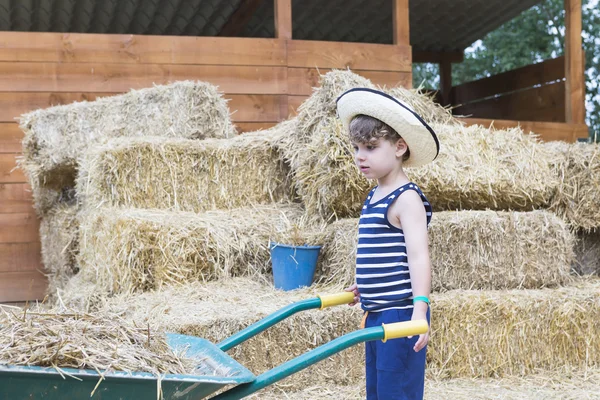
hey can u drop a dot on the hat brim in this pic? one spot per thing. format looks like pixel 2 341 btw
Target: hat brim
pixel 420 137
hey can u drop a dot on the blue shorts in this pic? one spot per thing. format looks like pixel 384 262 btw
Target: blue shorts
pixel 394 370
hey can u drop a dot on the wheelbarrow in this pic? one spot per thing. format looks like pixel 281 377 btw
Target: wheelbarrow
pixel 33 383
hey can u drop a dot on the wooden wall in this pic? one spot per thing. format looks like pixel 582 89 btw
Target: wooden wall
pixel 264 79
pixel 532 93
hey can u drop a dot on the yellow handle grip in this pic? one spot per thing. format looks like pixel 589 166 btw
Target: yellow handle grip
pixel 336 299
pixel 403 329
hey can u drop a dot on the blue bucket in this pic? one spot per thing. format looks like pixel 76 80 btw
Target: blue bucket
pixel 293 266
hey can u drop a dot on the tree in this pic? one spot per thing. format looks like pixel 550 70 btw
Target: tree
pixel 535 35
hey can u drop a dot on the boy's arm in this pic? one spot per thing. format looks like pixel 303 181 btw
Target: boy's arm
pixel 408 209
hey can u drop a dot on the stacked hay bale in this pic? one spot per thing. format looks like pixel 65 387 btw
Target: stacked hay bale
pixel 508 234
pixel 55 139
pixel 163 231
pixel 577 198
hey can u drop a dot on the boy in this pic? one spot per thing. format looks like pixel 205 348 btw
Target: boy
pixel 393 272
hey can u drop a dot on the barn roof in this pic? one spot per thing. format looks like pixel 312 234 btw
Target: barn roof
pixel 435 25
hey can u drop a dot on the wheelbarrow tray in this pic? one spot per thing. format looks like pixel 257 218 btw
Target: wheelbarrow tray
pixel 33 383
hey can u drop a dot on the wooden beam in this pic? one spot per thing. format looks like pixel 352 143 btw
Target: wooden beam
pixel 436 57
pixel 139 49
pixel 446 81
pixel 575 89
pixel 240 18
pixel 283 19
pixel 401 22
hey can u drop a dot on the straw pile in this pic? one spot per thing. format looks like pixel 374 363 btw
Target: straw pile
pixel 587 253
pixel 517 332
pixel 186 175
pixel 84 341
pixel 578 167
pixel 58 234
pixel 560 385
pixel 57 136
pixel 128 250
pixel 217 310
pixel 473 250
pixel 506 170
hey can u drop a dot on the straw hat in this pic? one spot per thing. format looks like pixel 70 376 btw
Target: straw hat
pixel 420 138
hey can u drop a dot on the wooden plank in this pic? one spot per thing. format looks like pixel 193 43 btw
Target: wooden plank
pixel 11 137
pixel 283 19
pixel 294 102
pixel 111 78
pixel 302 80
pixel 13 104
pixel 436 57
pixel 15 198
pixel 255 108
pixel 8 171
pixel 135 49
pixel 20 257
pixel 446 82
pixel 574 63
pixel 240 18
pixel 545 103
pixel 520 78
pixel 19 228
pixel 548 131
pixel 22 286
pixel 401 26
pixel 356 56
pixel 254 126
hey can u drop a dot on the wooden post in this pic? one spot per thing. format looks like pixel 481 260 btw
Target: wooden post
pixel 446 80
pixel 283 19
pixel 401 27
pixel 401 22
pixel 574 68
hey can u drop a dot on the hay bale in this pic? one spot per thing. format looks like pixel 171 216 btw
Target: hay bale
pixel 577 166
pixel 474 333
pixel 129 250
pixel 186 175
pixel 57 136
pixel 516 332
pixel 587 253
pixel 217 310
pixel 476 169
pixel 319 151
pixel 473 250
pixel 479 168
pixel 59 239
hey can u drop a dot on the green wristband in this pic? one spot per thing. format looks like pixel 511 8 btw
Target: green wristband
pixel 421 298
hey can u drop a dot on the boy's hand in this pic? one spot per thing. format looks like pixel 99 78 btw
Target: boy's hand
pixel 424 338
pixel 353 289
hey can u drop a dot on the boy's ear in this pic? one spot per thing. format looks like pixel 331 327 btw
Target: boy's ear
pixel 401 147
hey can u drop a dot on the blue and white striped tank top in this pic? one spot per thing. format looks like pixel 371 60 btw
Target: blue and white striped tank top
pixel 382 273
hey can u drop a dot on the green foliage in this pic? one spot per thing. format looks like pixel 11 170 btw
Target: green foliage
pixel 535 35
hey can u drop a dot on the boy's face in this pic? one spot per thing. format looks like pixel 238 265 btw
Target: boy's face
pixel 378 157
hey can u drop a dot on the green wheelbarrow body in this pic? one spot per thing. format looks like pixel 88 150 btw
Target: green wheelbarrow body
pixel 22 382
pixel 33 383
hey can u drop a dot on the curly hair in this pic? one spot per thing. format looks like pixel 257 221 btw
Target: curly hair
pixel 364 129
